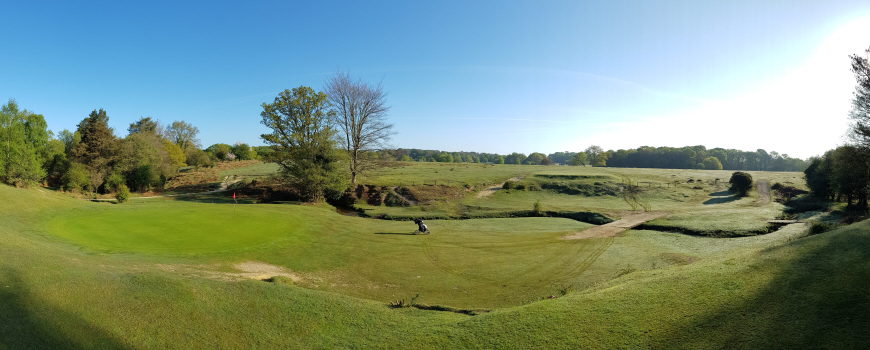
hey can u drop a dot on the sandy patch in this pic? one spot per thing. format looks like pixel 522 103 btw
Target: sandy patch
pixel 260 271
pixel 486 192
pixel 250 270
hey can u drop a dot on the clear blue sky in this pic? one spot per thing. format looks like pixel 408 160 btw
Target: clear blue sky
pixel 496 76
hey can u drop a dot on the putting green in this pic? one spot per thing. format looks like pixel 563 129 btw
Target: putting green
pixel 178 227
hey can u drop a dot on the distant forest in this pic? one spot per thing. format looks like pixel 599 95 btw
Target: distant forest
pixel 690 157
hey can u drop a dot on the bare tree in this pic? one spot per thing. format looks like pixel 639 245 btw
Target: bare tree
pixel 360 114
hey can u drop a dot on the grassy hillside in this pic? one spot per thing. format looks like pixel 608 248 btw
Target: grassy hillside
pixel 695 198
pixel 71 283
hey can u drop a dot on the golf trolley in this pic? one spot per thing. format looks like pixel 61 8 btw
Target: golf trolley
pixel 421 227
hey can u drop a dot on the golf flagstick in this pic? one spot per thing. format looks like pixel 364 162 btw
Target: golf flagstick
pixel 235 201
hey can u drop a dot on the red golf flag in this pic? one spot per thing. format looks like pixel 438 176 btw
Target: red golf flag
pixel 234 195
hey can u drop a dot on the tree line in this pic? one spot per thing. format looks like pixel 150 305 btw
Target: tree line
pixel 844 173
pixel 694 157
pixel 92 158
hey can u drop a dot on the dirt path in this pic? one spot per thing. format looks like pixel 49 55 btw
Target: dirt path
pixel 406 199
pixel 223 188
pixel 763 188
pixel 486 192
pixel 614 228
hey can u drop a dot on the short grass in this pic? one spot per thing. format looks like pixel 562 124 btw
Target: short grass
pixel 766 292
pixel 177 227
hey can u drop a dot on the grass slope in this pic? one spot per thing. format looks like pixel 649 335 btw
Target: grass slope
pixel 757 292
pixel 699 203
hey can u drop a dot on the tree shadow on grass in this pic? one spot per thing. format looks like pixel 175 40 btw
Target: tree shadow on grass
pixel 29 323
pixel 818 298
pixel 396 233
pixel 721 200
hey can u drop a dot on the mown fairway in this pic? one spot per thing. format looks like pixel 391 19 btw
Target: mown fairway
pixel 176 227
pixel 165 274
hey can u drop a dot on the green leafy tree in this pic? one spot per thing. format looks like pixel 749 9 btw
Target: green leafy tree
pixel 243 151
pixel 219 150
pixel 139 151
pixel 24 145
pixel 499 160
pixel 741 183
pixel 264 152
pixel 515 158
pixel 712 163
pixel 578 159
pixel 197 157
pixel 304 141
pixel 818 176
pixel 70 139
pixel 175 154
pixel 76 177
pixel 535 158
pixel 444 157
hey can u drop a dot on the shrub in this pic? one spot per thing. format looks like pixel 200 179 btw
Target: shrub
pixel 817 227
pixel 114 182
pixel 123 194
pixel 508 185
pixel 741 183
pixel 538 208
pixel 520 186
pixel 76 177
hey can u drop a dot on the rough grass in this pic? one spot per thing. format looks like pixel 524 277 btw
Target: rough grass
pixel 202 179
pixel 698 199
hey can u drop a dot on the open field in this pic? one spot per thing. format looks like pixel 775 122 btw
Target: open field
pixel 185 273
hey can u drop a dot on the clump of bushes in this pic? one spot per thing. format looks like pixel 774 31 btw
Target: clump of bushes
pixel 508 185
